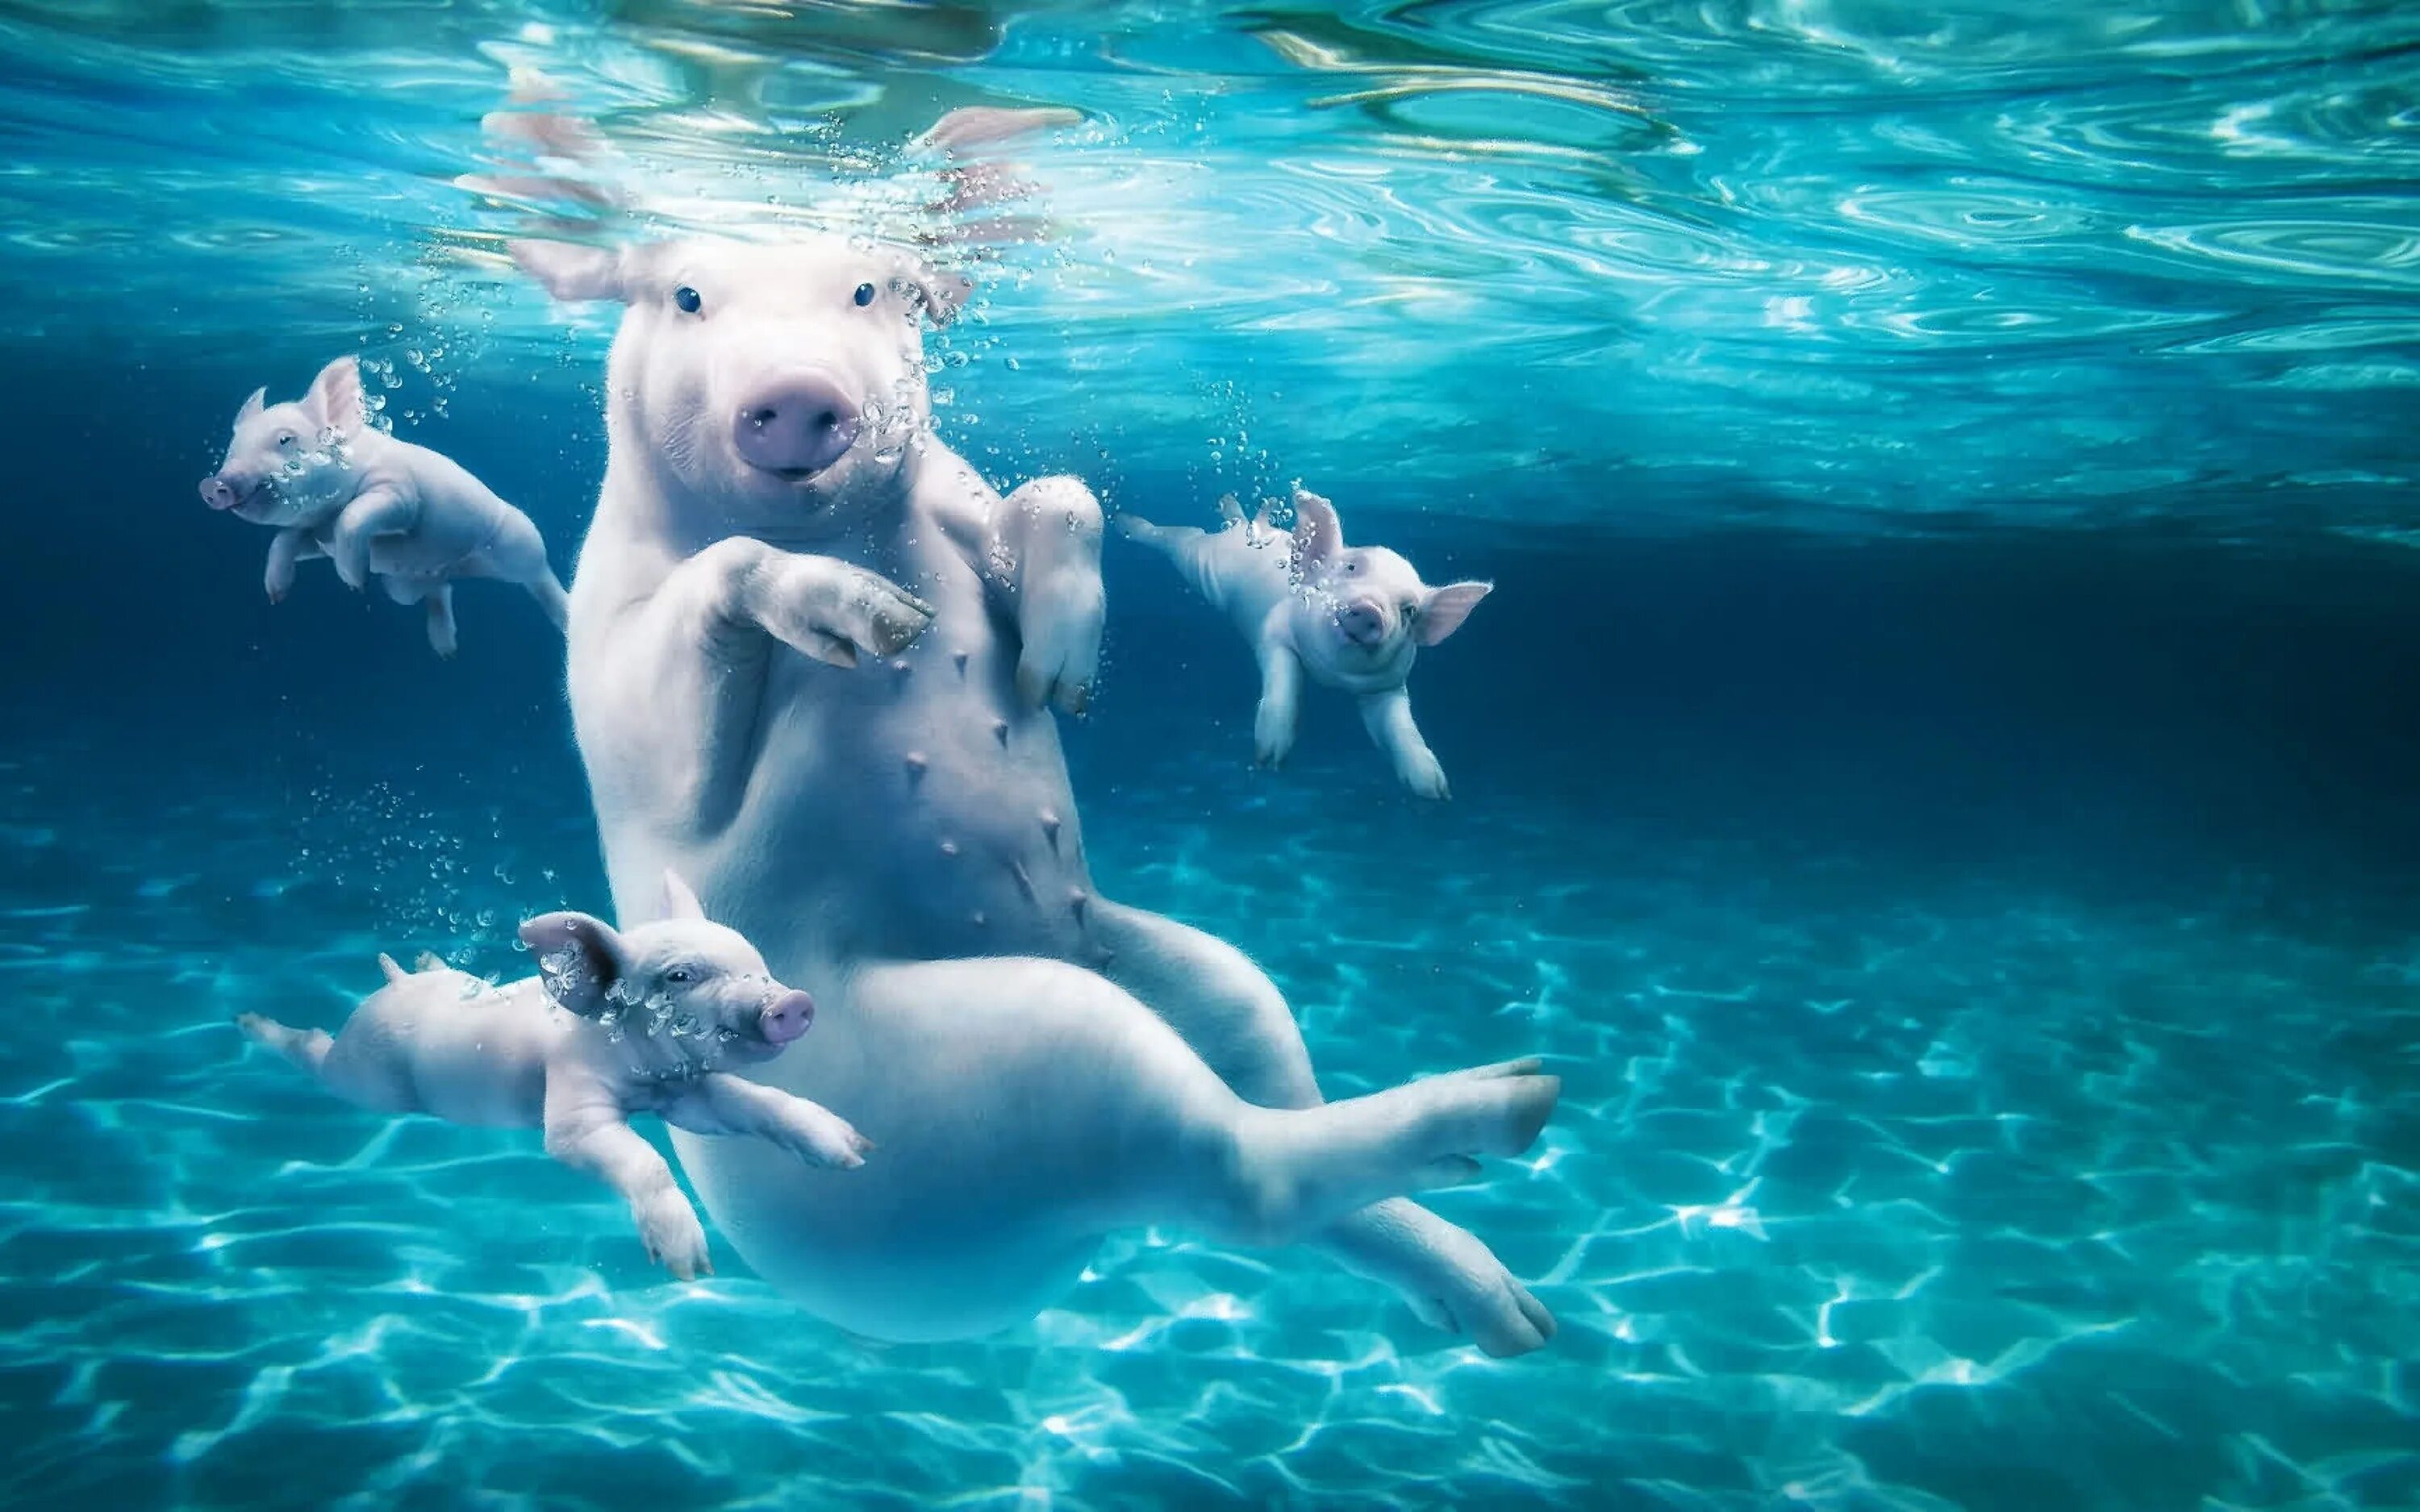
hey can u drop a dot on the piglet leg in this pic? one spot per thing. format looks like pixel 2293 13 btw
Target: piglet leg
pixel 440 619
pixel 374 511
pixel 721 1103
pixel 586 1131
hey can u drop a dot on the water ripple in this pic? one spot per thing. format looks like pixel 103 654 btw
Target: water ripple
pixel 1611 234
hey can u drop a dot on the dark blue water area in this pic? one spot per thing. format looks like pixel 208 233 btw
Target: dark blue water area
pixel 1982 968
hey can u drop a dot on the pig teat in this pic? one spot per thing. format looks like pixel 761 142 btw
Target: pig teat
pixel 795 425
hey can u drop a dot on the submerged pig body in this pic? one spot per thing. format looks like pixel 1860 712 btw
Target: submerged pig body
pixel 812 659
pixel 333 485
pixel 1351 618
pixel 652 1020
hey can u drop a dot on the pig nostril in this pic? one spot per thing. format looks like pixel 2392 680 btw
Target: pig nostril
pixel 827 421
pixel 760 418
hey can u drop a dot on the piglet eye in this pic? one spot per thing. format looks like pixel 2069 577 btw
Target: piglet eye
pixel 686 299
pixel 285 438
pixel 864 295
pixel 678 974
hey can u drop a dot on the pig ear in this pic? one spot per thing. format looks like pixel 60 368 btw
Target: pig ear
pixel 574 273
pixel 1445 609
pixel 940 292
pixel 252 408
pixel 679 901
pixel 1318 534
pixel 334 399
pixel 578 958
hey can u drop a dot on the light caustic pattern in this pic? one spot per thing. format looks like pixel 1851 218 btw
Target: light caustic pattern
pixel 1878 266
pixel 1862 1195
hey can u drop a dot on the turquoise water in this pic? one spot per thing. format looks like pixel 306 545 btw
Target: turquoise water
pixel 1937 777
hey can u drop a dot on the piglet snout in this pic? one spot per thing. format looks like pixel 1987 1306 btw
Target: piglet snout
pixel 1363 622
pixel 218 493
pixel 795 425
pixel 786 1017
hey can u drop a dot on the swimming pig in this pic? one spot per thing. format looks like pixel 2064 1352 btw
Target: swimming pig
pixel 649 1019
pixel 334 485
pixel 1353 617
pixel 813 659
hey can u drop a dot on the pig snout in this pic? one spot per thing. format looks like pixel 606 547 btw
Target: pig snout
pixel 220 494
pixel 795 425
pixel 1363 622
pixel 786 1017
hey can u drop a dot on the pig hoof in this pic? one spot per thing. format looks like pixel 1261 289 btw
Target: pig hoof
pixel 822 1139
pixel 674 1237
pixel 1462 1288
pixel 1426 780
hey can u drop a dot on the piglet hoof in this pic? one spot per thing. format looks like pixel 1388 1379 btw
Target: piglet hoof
pixel 822 1138
pixel 674 1237
pixel 1426 779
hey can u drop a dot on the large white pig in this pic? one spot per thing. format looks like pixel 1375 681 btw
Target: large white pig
pixel 812 659
pixel 333 485
pixel 1353 618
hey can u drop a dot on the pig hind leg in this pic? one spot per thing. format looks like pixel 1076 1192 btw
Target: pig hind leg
pixel 547 590
pixel 1235 1018
pixel 366 1077
pixel 517 555
pixel 306 1048
pixel 441 636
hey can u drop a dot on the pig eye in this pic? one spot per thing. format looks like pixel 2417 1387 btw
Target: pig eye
pixel 864 295
pixel 285 440
pixel 686 299
pixel 679 975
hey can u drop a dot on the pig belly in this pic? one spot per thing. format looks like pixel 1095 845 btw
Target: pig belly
pixel 477 1060
pixel 918 815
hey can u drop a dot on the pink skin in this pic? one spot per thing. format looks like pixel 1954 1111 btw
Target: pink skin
pixel 786 1017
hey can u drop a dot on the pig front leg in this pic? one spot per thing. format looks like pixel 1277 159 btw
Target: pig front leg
pixel 289 546
pixel 721 1103
pixel 693 656
pixel 382 510
pixel 586 1130
pixel 1388 716
pixel 1051 527
pixel 1273 723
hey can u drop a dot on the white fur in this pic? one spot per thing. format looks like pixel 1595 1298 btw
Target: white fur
pixel 618 1024
pixel 331 484
pixel 827 700
pixel 1292 597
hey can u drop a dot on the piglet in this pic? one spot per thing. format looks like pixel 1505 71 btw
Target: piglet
pixel 1352 617
pixel 616 1025
pixel 334 485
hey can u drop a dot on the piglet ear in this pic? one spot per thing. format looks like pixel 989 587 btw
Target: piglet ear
pixel 942 293
pixel 336 398
pixel 1318 534
pixel 252 408
pixel 1445 609
pixel 680 901
pixel 574 273
pixel 578 958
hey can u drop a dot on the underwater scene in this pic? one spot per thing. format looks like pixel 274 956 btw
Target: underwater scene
pixel 860 754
